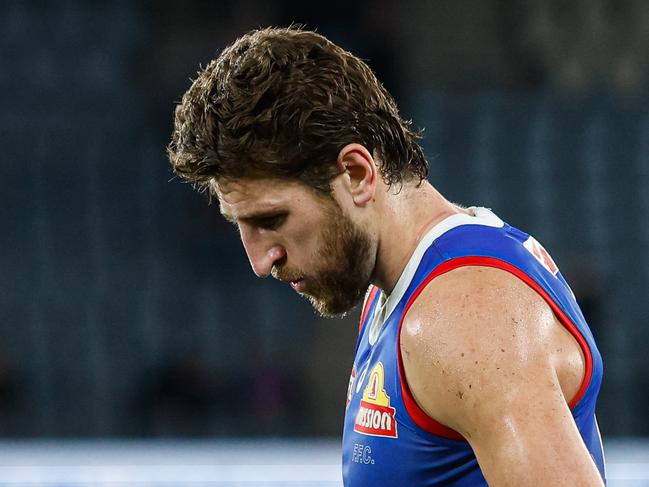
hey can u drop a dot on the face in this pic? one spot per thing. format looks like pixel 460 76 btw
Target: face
pixel 303 239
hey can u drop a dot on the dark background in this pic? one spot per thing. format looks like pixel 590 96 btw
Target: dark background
pixel 127 306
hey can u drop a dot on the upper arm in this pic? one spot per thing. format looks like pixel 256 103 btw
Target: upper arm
pixel 476 353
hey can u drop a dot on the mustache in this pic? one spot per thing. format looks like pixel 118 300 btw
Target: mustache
pixel 284 274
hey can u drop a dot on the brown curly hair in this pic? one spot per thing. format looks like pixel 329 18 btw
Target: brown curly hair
pixel 281 103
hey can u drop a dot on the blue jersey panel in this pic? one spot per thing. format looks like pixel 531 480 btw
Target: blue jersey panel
pixel 382 443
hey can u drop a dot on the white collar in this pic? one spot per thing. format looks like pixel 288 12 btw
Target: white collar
pixel 384 308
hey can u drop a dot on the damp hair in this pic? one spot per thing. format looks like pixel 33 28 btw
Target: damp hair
pixel 281 103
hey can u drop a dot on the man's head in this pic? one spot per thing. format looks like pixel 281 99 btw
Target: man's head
pixel 281 103
pixel 291 133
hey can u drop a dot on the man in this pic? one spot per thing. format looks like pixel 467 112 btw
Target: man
pixel 473 365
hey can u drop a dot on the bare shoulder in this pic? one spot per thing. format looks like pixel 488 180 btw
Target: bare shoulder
pixel 480 355
pixel 476 336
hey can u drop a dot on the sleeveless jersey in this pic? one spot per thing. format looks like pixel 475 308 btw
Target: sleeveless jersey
pixel 387 439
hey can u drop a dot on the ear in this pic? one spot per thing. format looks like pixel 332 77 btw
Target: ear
pixel 356 162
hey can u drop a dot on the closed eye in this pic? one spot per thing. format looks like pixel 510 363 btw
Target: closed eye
pixel 271 222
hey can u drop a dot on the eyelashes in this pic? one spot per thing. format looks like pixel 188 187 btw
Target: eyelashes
pixel 269 222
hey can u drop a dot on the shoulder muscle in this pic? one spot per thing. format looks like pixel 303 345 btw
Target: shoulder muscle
pixel 476 349
pixel 473 332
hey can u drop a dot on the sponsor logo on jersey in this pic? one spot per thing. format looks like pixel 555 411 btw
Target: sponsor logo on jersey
pixel 375 417
pixel 350 387
pixel 540 254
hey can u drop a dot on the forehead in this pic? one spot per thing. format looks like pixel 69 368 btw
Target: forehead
pixel 242 197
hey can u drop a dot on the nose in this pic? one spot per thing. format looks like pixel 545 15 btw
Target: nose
pixel 262 253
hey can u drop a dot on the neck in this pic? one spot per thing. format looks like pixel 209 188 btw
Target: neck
pixel 405 219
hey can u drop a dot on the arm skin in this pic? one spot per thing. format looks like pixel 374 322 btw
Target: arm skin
pixel 484 354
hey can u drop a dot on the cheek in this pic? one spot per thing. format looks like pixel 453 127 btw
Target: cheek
pixel 307 244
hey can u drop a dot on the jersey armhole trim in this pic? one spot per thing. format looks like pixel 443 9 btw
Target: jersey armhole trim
pixel 368 304
pixel 418 415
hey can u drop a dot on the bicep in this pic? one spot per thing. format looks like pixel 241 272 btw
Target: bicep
pixel 529 438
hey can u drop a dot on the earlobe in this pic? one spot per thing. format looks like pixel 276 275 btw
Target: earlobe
pixel 357 162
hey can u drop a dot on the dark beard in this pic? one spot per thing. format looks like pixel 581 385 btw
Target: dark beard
pixel 348 267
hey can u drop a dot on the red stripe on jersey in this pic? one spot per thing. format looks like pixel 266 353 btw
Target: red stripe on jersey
pixel 366 308
pixel 417 414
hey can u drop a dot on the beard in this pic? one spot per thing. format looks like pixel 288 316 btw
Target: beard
pixel 344 266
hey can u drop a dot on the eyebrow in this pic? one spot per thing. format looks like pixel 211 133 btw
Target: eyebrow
pixel 258 215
